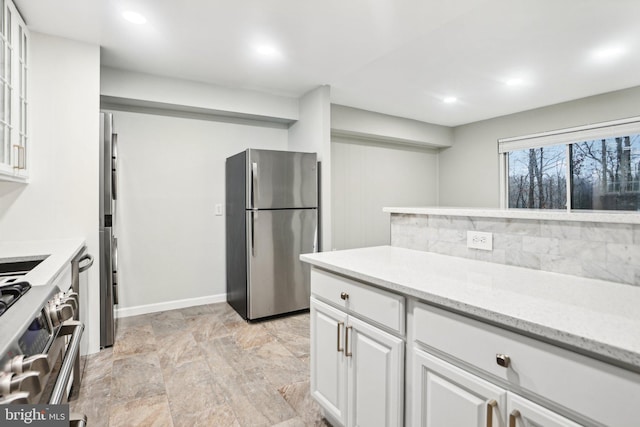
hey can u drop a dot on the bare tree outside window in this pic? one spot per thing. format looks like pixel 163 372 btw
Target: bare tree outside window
pixel 606 174
pixel 538 178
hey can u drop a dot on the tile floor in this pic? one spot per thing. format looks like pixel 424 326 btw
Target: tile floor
pixel 201 366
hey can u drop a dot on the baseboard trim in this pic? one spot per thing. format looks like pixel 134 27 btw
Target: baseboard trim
pixel 169 305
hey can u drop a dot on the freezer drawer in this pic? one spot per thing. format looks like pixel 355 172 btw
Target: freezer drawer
pixel 278 282
pixel 281 180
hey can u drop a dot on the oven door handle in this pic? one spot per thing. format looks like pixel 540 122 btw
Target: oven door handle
pixel 86 266
pixel 75 329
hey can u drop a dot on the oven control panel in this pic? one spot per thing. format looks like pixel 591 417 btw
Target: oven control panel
pixel 36 338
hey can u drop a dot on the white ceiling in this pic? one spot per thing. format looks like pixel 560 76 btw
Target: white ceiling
pixel 399 57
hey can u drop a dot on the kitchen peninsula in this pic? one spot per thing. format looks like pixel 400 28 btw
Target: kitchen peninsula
pixel 486 343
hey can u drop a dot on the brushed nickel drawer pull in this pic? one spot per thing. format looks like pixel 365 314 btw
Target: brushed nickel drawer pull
pixel 344 296
pixel 490 406
pixel 340 324
pixel 346 343
pixel 503 360
pixel 513 416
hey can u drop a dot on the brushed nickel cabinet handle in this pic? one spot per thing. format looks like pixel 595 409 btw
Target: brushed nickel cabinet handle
pixel 346 342
pixel 16 152
pixel 344 296
pixel 490 406
pixel 503 360
pixel 20 157
pixel 513 416
pixel 340 324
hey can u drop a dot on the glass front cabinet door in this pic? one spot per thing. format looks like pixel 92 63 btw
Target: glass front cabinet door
pixel 14 106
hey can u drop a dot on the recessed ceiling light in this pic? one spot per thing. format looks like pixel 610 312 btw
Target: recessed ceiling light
pixel 608 53
pixel 450 100
pixel 134 17
pixel 267 50
pixel 514 82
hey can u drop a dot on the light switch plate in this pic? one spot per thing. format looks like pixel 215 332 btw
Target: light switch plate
pixel 480 240
pixel 218 209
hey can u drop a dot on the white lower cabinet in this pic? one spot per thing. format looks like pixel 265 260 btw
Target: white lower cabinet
pixel 445 395
pixel 357 370
pixel 459 372
pixel 328 363
pixel 375 376
pixel 522 412
pixel 459 366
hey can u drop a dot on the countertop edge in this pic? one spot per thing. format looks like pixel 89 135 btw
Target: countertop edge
pixel 544 215
pixel 60 253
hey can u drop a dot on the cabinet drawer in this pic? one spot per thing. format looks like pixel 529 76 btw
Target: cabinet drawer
pixel 382 307
pixel 591 388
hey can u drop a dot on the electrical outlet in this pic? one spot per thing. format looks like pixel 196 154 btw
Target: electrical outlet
pixel 480 240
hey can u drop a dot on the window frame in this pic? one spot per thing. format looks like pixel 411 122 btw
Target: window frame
pixel 566 137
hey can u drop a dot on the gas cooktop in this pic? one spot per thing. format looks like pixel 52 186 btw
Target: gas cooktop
pixel 10 293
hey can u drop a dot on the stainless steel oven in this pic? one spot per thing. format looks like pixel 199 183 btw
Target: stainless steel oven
pixel 40 341
pixel 37 367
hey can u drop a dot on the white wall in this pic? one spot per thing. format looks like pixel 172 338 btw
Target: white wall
pixel 146 87
pixel 347 121
pixel 312 133
pixel 171 246
pixel 368 176
pixel 61 200
pixel 469 173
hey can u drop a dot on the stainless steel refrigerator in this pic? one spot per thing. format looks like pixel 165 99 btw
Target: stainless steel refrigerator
pixel 271 218
pixel 108 242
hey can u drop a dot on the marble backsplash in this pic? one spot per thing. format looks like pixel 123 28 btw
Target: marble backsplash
pixel 607 251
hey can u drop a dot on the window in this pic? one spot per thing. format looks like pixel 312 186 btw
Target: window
pixel 538 178
pixel 594 167
pixel 605 173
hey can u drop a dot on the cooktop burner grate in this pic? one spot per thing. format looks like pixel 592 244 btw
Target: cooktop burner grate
pixel 9 294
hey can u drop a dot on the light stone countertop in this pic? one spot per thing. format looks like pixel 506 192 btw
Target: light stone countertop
pixel 615 217
pixel 595 317
pixel 58 253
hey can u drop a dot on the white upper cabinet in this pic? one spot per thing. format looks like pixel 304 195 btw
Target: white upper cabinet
pixel 14 105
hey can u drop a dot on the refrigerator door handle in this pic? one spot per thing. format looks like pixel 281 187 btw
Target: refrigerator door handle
pixel 114 269
pixel 254 183
pixel 315 240
pixel 114 166
pixel 254 216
